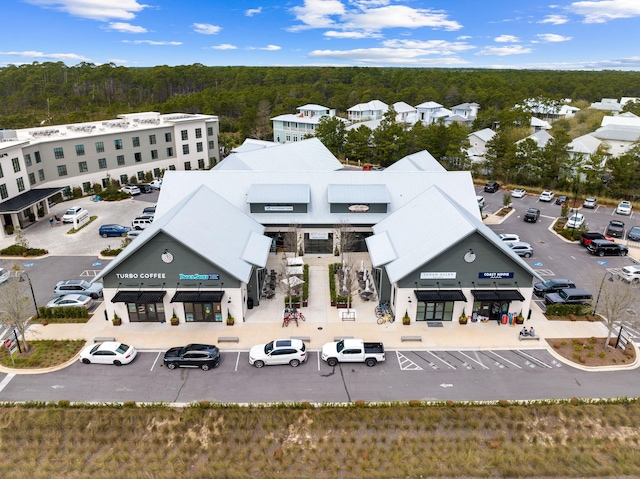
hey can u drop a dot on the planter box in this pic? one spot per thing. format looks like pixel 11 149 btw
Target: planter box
pixel 341 305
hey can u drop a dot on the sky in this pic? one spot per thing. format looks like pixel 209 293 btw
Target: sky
pixel 520 34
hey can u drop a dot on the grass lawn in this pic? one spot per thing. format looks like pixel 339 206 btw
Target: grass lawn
pixel 571 440
pixel 42 354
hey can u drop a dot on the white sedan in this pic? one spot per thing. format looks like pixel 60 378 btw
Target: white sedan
pixel 109 352
pixel 71 300
pixel 624 208
pixel 575 221
pixel 547 196
pixel 518 193
pixel 280 351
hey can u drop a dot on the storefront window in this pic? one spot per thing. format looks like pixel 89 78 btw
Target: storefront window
pixel 146 312
pixel 435 311
pixel 207 312
pixel 490 309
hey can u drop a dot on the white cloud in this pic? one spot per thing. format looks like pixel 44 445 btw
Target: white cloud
pixel 552 38
pixel 253 11
pixel 429 47
pixel 206 28
pixel 555 19
pixel 270 48
pixel 369 16
pixel 506 39
pixel 601 11
pixel 352 35
pixel 387 56
pixel 505 51
pixel 224 46
pixel 54 56
pixel 151 42
pixel 103 10
pixel 125 27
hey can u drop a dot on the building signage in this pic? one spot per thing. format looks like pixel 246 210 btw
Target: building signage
pixel 278 208
pixel 141 275
pixel 202 277
pixel 438 275
pixel 318 236
pixel 494 275
pixel 358 208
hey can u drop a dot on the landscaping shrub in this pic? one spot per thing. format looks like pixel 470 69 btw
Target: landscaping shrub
pixel 65 312
pixel 567 310
pixel 17 250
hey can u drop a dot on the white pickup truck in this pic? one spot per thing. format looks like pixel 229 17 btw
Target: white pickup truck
pixel 353 351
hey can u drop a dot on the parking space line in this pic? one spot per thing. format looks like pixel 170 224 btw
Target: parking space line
pixel 505 359
pixel 155 361
pixel 406 364
pixel 438 357
pixel 474 360
pixel 534 359
pixel 237 360
pixel 6 381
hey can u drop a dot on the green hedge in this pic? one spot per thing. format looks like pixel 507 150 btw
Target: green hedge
pixel 335 298
pixel 564 310
pixel 64 312
pixel 17 250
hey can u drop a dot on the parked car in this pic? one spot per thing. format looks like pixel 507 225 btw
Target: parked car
pixel 546 196
pixel 4 275
pixel 552 286
pixel 624 208
pixel 575 221
pixel 561 200
pixel 630 273
pixel 141 222
pixel 521 249
pixel 518 193
pixel 145 187
pixel 491 187
pixel 590 203
pixel 133 233
pixel 203 356
pixel 352 351
pixel 149 210
pixel 509 237
pixel 532 215
pixel 569 296
pixel 109 352
pixel 73 212
pixel 615 229
pixel 71 300
pixel 281 351
pixel 156 184
pixel 77 286
pixel 588 237
pixel 604 247
pixel 113 230
pixel 634 234
pixel 133 190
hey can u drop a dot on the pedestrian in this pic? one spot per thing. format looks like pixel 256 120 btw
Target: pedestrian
pixel 524 332
pixel 532 332
pixel 57 218
pixel 51 221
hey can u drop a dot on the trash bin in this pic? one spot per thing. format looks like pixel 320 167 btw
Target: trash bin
pixel 250 303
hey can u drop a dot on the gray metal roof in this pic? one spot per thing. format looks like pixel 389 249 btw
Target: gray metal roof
pixel 421 161
pixel 616 132
pixel 358 193
pixel 279 193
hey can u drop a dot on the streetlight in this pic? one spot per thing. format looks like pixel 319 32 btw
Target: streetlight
pixel 21 280
pixel 610 274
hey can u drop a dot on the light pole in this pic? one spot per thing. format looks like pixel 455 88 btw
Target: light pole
pixel 610 275
pixel 22 276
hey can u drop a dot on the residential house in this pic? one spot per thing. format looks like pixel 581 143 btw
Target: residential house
pixel 303 124
pixel 373 110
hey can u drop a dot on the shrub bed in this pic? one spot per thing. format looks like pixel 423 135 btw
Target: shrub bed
pixel 64 312
pixel 566 310
pixel 17 250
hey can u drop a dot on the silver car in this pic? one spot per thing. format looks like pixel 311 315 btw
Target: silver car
pixel 521 249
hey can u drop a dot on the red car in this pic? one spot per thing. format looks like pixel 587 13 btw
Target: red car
pixel 587 238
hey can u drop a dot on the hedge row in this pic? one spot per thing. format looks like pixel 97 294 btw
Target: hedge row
pixel 564 310
pixel 63 312
pixel 17 250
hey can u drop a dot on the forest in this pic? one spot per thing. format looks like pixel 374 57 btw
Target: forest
pixel 245 98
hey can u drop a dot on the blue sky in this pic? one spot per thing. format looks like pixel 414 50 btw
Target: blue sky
pixel 575 35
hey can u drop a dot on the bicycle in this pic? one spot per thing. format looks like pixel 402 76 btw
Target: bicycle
pixel 382 309
pixel 387 318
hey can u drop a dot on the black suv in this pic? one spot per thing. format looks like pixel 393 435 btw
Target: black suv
pixel 491 187
pixel 615 229
pixel 604 247
pixel 203 356
pixel 532 215
pixel 144 187
pixel 588 236
pixel 552 286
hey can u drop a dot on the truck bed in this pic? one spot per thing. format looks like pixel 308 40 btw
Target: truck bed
pixel 373 348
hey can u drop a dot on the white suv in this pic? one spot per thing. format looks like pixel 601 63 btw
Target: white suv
pixel 280 351
pixel 546 196
pixel 73 212
pixel 630 274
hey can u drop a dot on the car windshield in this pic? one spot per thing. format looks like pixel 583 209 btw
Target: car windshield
pixel 122 348
pixel 563 294
pixel 268 347
pixel 71 212
pixel 548 283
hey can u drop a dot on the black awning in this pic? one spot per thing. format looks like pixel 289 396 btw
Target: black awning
pixel 26 199
pixel 138 297
pixel 440 295
pixel 497 295
pixel 197 297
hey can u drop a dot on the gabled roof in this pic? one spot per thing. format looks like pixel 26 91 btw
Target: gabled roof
pixel 464 106
pixel 250 144
pixel 459 119
pixel 420 161
pixel 373 105
pixel 235 250
pixel 538 123
pixel 400 243
pixel 541 137
pixel 625 119
pixel 618 133
pixel 310 154
pixel 429 104
pixel 312 106
pixel 587 144
pixel 402 107
pixel 485 134
pixel 441 113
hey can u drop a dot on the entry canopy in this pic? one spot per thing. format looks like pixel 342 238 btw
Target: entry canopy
pixel 497 295
pixel 141 297
pixel 440 295
pixel 197 297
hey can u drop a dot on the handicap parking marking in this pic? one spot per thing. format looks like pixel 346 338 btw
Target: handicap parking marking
pixel 537 263
pixel 545 272
pixel 28 265
pixel 90 272
pixel 603 263
pixel 406 364
pixel 96 264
